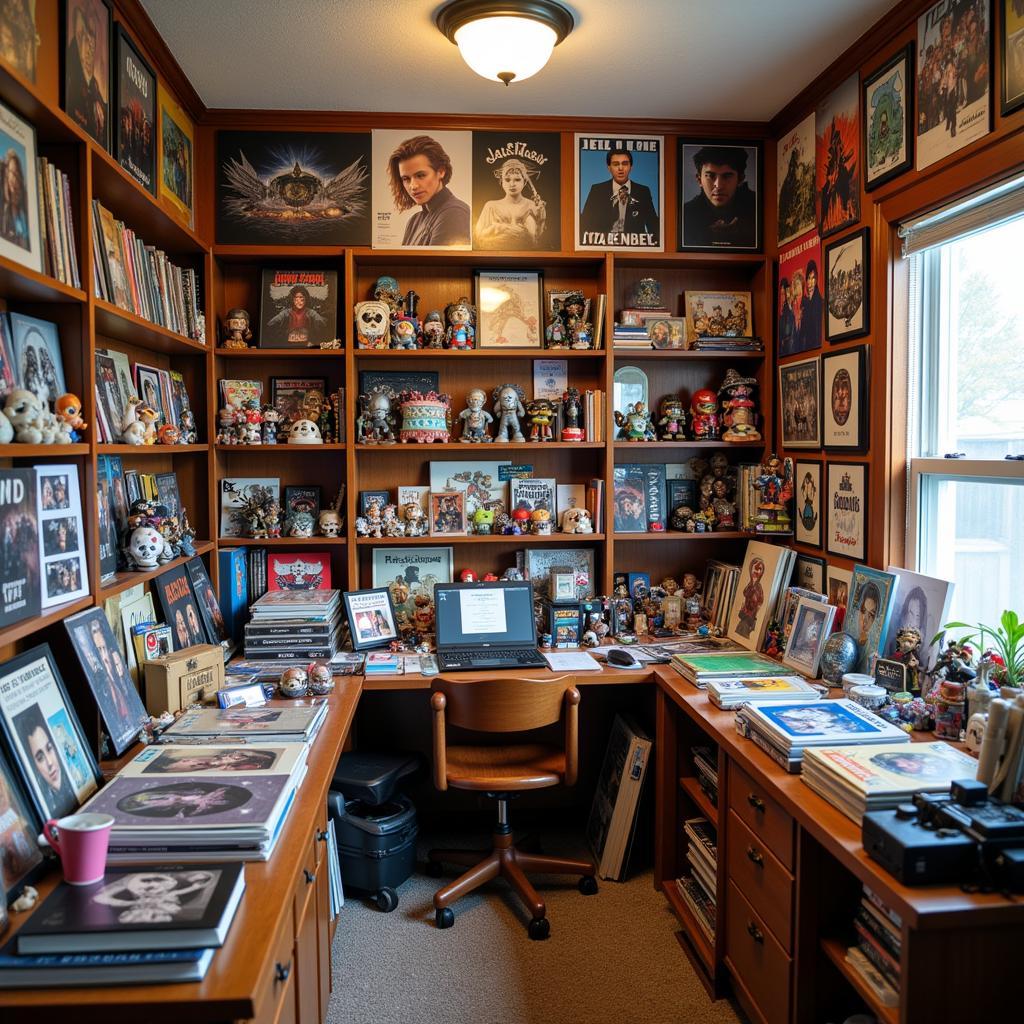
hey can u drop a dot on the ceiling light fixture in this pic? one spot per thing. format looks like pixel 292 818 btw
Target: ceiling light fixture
pixel 508 41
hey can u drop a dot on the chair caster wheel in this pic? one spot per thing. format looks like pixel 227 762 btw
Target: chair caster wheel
pixel 444 918
pixel 386 900
pixel 540 928
pixel 434 868
pixel 588 885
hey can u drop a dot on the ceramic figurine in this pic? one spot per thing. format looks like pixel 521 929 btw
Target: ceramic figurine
pixel 330 523
pixel 520 522
pixel 483 521
pixel 271 419
pixel 647 294
pixel 294 682
pixel 723 505
pixel 635 423
pixel 582 338
pixel 540 522
pixel 739 413
pixel 908 650
pixel 376 422
pixel 416 524
pixel 321 679
pixel 424 417
pixel 168 434
pixel 392 525
pixel 508 407
pixel 236 332
pixel 148 417
pixel 301 524
pixel 460 333
pixel 571 413
pixel 475 419
pixel 433 330
pixel 145 546
pixel 373 324
pixel 577 520
pixel 386 289
pixel 69 410
pixel 704 415
pixel 404 332
pixel 304 432
pixel 541 413
pixel 673 419
pixel 555 335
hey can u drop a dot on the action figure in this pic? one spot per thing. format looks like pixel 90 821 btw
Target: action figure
pixel 236 329
pixel 673 420
pixel 571 429
pixel 738 409
pixel 508 407
pixel 476 420
pixel 541 413
pixel 460 333
pixel 704 415
pixel 635 423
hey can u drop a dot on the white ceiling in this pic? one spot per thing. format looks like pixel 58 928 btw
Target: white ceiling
pixel 699 59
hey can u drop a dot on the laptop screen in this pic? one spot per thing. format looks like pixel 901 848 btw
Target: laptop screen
pixel 475 614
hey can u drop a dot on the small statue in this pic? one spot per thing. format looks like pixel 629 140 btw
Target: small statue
pixel 540 522
pixel 416 523
pixel 555 335
pixel 68 409
pixel 271 419
pixel 186 536
pixel 373 324
pixel 475 419
pixel 635 423
pixel 739 413
pixel 386 289
pixel 461 333
pixel 433 330
pixel 237 333
pixel 723 505
pixel 187 422
pixel 541 412
pixel 673 419
pixel 704 415
pixel 577 520
pixel 330 523
pixel 148 417
pixel 582 339
pixel 508 407
pixel 775 483
pixel 301 524
pixel 483 521
pixel 404 332
pixel 321 679
pixel 571 412
pixel 304 432
pixel 908 650
pixel 393 526
pixel 371 523
pixel 376 422
pixel 168 434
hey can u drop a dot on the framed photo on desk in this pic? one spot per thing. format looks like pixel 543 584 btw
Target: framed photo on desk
pixel 371 618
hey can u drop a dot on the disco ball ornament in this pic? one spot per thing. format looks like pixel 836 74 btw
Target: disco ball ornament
pixel 838 656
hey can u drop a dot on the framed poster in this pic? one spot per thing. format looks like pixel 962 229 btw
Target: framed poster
pixel 954 73
pixel 19 825
pixel 20 39
pixel 837 157
pixel 801 307
pixel 720 195
pixel 510 308
pixel 371 618
pixel 447 513
pixel 807 477
pixel 410 573
pixel 176 149
pixel 1011 46
pixel 38 365
pixel 800 403
pixel 809 573
pixel 86 35
pixel 751 606
pixel 847 510
pixel 298 308
pixel 619 186
pixel 147 383
pixel 178 604
pixel 868 611
pixel 888 107
pixel 848 287
pixel 61 535
pixel 43 736
pixel 795 181
pixel 837 590
pixel 845 400
pixel 719 315
pixel 135 131
pixel 20 239
pixel 288 395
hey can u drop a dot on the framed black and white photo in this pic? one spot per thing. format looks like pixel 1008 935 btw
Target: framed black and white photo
pixel 22 859
pixel 86 32
pixel 844 402
pixel 509 308
pixel 846 500
pixel 800 403
pixel 848 287
pixel 147 382
pixel 20 239
pixel 61 535
pixel 135 131
pixel 807 482
pixel 371 618
pixel 38 364
pixel 888 107
pixel 720 196
pixel 809 573
pixel 812 624
pixel 1011 46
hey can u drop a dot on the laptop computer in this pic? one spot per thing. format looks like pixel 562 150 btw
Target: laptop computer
pixel 485 626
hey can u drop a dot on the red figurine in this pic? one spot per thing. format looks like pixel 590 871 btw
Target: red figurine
pixel 704 415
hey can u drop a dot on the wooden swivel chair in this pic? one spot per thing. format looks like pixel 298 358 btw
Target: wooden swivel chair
pixel 504 706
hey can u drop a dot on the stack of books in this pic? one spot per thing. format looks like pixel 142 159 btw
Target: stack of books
pixel 701 669
pixel 141 927
pixel 293 626
pixel 719 590
pixel 784 730
pixel 274 723
pixel 725 344
pixel 731 693
pixel 699 890
pixel 705 763
pixel 876 957
pixel 56 224
pixel 857 779
pixel 630 337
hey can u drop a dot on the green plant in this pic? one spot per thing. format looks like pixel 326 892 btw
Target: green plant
pixel 1006 640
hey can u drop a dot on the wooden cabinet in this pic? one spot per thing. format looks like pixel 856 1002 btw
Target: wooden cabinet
pixel 759 874
pixel 276 1001
pixel 762 814
pixel 761 967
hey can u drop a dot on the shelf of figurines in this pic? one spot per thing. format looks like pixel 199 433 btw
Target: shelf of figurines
pixel 517 540
pixel 682 354
pixel 37 451
pixel 477 353
pixel 644 445
pixel 284 353
pixel 305 448
pixel 119 324
pixel 132 577
pixel 469 446
pixel 23 284
pixel 319 541
pixel 666 535
pixel 135 450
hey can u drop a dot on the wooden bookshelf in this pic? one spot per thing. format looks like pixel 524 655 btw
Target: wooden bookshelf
pixel 836 953
pixel 691 787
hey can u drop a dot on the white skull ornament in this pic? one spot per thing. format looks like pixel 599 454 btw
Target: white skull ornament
pixel 330 523
pixel 304 432
pixel 145 547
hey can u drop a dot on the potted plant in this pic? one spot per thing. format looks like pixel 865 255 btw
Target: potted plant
pixel 1006 641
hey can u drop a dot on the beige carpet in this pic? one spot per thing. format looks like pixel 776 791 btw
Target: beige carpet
pixel 612 958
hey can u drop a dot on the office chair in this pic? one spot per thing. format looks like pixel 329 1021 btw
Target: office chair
pixel 504 706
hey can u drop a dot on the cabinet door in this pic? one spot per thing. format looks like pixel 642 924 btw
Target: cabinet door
pixel 307 957
pixel 323 933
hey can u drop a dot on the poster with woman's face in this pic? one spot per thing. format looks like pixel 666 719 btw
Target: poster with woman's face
pixel 19 208
pixel 87 66
pixel 422 188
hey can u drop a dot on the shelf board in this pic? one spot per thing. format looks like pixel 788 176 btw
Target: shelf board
pixel 523 538
pixel 681 354
pixel 150 449
pixel 37 451
pixel 468 259
pixel 26 285
pixel 302 449
pixel 117 323
pixel 692 260
pixel 669 535
pixel 281 542
pixel 691 787
pixel 478 353
pixel 124 580
pixel 47 618
pixel 643 445
pixel 698 940
pixel 254 253
pixel 836 952
pixel 459 446
pixel 52 125
pixel 280 353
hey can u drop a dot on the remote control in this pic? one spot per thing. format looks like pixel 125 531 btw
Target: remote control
pixel 428 665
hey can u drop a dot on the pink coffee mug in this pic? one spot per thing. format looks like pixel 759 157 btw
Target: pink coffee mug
pixel 81 840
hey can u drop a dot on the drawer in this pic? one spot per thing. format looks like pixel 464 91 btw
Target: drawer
pixel 275 1002
pixel 756 959
pixel 305 885
pixel 320 837
pixel 761 814
pixel 762 879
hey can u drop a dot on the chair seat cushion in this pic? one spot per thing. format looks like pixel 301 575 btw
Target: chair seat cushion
pixel 522 766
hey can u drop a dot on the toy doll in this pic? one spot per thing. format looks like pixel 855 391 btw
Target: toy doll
pixel 704 415
pixel 236 329
pixel 541 413
pixel 460 333
pixel 508 407
pixel 635 423
pixel 476 420
pixel 673 419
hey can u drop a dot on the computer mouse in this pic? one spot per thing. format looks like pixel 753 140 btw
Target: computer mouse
pixel 620 658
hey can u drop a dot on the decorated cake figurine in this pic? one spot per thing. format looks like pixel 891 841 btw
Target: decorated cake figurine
pixel 739 413
pixel 424 417
pixel 635 423
pixel 475 419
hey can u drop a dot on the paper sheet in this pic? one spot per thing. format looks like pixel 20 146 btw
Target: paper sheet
pixel 571 661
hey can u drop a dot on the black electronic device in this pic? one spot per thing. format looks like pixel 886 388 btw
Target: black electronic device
pixel 619 658
pixel 914 853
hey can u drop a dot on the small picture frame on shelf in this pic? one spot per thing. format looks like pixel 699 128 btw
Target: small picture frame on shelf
pixel 290 397
pixel 848 287
pixel 147 380
pixel 20 239
pixel 38 364
pixel 812 625
pixel 844 403
pixel 371 618
pixel 23 860
pixel 666 332
pixel 556 297
pixel 719 314
pixel 509 308
pixel 447 513
pixel 86 35
pixel 800 403
pixel 809 573
pixel 135 130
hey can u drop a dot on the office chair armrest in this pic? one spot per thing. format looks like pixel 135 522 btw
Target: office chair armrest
pixel 572 728
pixel 438 702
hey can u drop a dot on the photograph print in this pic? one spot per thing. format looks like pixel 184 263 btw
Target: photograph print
pixel 619 187
pixel 1011 34
pixel 21 860
pixel 293 188
pixel 868 611
pixel 837 157
pixel 19 552
pixel 19 208
pixel 888 109
pixel 86 36
pixel 844 405
pixel 922 603
pixel 298 308
pixel 422 188
pixel 807 480
pixel 954 45
pixel 516 191
pixel 371 618
pixel 801 306
pixel 175 156
pixel 19 40
pixel 61 535
pixel 720 195
pixel 795 181
pixel 135 130
pixel 837 590
pixel 811 627
pixel 848 287
pixel 800 402
pixel 809 573
pixel 178 604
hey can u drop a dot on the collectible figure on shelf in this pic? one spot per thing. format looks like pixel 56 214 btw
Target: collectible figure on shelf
pixel 145 548
pixel 237 333
pixel 433 330
pixel 648 294
pixel 271 419
pixel 294 682
pixel 404 332
pixel 555 334
pixel 393 526
pixel 582 339
pixel 508 407
pixel 775 482
pixel 321 679
pixel 375 424
pixel 571 412
pixel 373 324
pixel 258 514
pixel 540 522
pixel 133 430
pixel 739 413
pixel 722 505
pixel 168 434
pixel 483 521
pixel 577 520
pixel 424 417
pixel 371 523
pixel 541 412
pixel 673 419
pixel 187 427
pixel 460 334
pixel 69 411
pixel 908 652
pixel 304 432
pixel 29 420
pixel 416 523
pixel 300 525
pixel 330 523
pixel 475 419
pixel 704 415
pixel 186 536
pixel 635 423
pixel 387 290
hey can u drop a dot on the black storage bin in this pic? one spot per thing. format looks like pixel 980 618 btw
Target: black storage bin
pixel 370 777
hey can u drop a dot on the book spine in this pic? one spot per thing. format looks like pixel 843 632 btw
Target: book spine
pixel 793 767
pixel 885 938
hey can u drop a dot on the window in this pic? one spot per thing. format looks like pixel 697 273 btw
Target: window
pixel 966 399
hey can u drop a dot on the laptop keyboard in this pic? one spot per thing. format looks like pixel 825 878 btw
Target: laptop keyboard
pixel 492 656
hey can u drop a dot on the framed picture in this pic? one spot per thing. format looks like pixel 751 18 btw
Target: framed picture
pixel 794 181
pixel 86 35
pixel 847 510
pixel 371 618
pixel 135 131
pixel 844 403
pixel 292 397
pixel 38 365
pixel 555 299
pixel 809 573
pixel 801 308
pixel 888 108
pixel 20 239
pixel 43 735
pixel 61 534
pixel 812 625
pixel 848 287
pixel 807 477
pixel 447 513
pixel 954 41
pixel 751 605
pixel 837 590
pixel 298 308
pixel 21 38
pixel 922 603
pixel 837 157
pixel 147 382
pixel 1011 47
pixel 800 403
pixel 179 608
pixel 22 858
pixel 666 331
pixel 868 611
pixel 720 195
pixel 719 315
pixel 410 573
pixel 509 308
pixel 176 149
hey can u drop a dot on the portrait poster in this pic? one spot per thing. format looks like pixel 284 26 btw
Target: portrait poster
pixel 795 181
pixel 448 514
pixel 147 387
pixel 809 573
pixel 293 188
pixel 922 603
pixel 20 40
pixel 20 856
pixel 846 516
pixel 755 594
pixel 135 130
pixel 837 157
pixel 20 239
pixel 176 148
pixel 206 601
pixel 801 322
pixel 422 189
pixel 409 573
pixel 872 594
pixel 86 39
pixel 807 477
pixel 298 308
pixel 720 195
pixel 106 673
pixel 619 187
pixel 800 403
pixel 954 42
pixel 61 535
pixel 43 736
pixel 178 605
pixel 844 401
pixel 837 590
pixel 517 204
pixel 481 482
pixel 811 627
pixel 888 108
pixel 848 287
pixel 19 527
pixel 39 367
pixel 629 491
pixel 509 306
pixel 371 618
pixel 1012 38
pixel 288 397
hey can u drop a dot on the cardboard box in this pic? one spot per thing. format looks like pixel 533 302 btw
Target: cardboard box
pixel 184 677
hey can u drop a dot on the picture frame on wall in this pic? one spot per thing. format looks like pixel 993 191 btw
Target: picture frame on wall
pixel 510 308
pixel 807 481
pixel 848 287
pixel 720 195
pixel 838 157
pixel 21 38
pixel 1011 49
pixel 888 102
pixel 20 238
pixel 86 41
pixel 136 128
pixel 846 498
pixel 801 310
pixel 176 147
pixel 800 403
pixel 794 181
pixel 844 377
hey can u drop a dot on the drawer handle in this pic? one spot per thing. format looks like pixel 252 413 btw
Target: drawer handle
pixel 281 971
pixel 756 802
pixel 310 877
pixel 755 933
pixel 321 837
pixel 755 856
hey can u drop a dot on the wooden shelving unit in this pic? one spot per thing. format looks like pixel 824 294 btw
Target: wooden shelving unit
pixel 124 580
pixel 691 787
pixel 836 953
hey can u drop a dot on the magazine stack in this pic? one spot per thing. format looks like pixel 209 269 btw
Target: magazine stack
pixel 699 888
pixel 731 693
pixel 293 626
pixel 701 669
pixel 784 730
pixel 705 764
pixel 876 957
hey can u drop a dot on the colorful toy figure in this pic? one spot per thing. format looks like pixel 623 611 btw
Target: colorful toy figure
pixel 541 413
pixel 237 333
pixel 555 335
pixel 635 423
pixel 483 521
pixel 475 419
pixel 376 422
pixel 722 504
pixel 704 415
pixel 433 330
pixel 271 419
pixel 540 522
pixel 404 332
pixel 508 407
pixel 775 483
pixel 461 333
pixel 188 427
pixel 69 411
pixel 373 324
pixel 673 419
pixel 571 411
pixel 739 413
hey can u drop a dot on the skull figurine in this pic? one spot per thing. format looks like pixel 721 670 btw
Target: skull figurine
pixel 373 324
pixel 145 547
pixel 330 523
pixel 304 432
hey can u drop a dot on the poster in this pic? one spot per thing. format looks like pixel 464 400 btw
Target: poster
pixel 19 207
pixel 719 195
pixel 837 157
pixel 847 510
pixel 61 535
pixel 795 181
pixel 801 306
pixel 175 156
pixel 135 129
